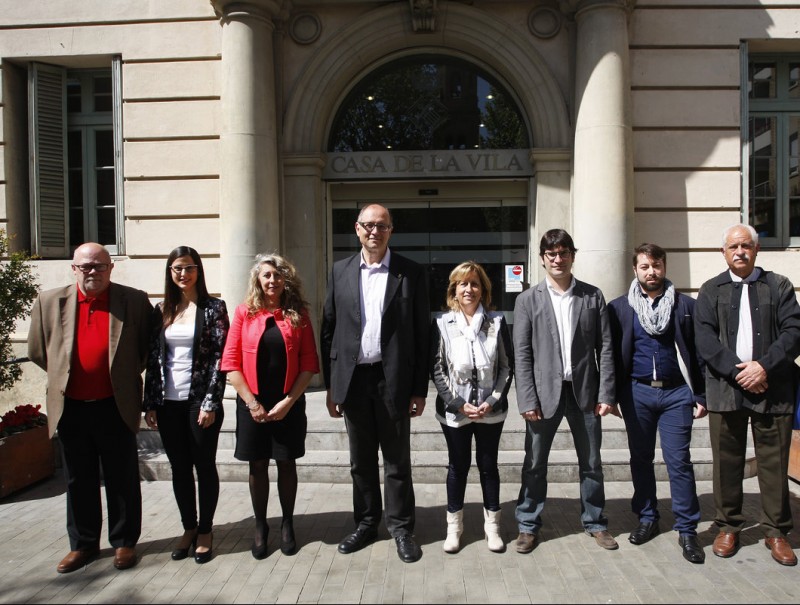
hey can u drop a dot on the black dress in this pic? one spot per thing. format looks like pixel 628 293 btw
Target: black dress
pixel 279 440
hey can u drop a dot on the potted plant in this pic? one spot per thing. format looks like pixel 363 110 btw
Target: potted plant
pixel 26 451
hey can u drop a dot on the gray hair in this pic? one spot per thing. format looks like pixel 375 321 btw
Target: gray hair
pixel 749 228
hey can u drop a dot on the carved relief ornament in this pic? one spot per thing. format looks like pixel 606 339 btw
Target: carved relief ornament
pixel 423 15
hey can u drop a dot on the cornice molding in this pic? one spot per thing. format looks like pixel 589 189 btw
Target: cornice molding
pixel 261 9
pixel 571 7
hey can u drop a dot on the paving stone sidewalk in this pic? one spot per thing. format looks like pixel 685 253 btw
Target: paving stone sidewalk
pixel 567 567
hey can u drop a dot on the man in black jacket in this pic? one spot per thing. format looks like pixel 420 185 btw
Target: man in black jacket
pixel 374 341
pixel 747 324
pixel 661 389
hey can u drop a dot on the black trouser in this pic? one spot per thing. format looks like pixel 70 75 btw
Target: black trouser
pixel 459 449
pixel 188 446
pixel 372 422
pixel 91 434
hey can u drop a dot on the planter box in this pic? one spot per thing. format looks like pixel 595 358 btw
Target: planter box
pixel 794 456
pixel 25 458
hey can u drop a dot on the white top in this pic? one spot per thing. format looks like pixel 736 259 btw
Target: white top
pixel 178 365
pixel 373 291
pixel 744 337
pixel 562 307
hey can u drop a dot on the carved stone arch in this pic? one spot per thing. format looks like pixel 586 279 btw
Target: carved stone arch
pixel 384 35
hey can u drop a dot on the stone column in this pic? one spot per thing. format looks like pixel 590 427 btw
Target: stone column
pixel 603 169
pixel 249 185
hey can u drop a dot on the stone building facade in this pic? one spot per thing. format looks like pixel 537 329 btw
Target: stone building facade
pixel 151 124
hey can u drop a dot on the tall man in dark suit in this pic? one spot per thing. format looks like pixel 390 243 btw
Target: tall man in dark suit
pixel 92 340
pixel 565 367
pixel 747 325
pixel 660 389
pixel 374 341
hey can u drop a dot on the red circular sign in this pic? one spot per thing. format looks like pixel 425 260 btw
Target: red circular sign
pixel 517 270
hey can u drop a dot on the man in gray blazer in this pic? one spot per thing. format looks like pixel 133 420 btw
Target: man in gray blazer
pixel 92 339
pixel 565 367
pixel 374 341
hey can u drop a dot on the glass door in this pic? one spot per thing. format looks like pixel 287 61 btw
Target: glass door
pixel 441 233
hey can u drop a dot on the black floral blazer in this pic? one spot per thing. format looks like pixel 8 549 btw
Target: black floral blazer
pixel 208 382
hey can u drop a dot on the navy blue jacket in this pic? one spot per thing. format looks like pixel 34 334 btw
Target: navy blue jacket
pixel 621 316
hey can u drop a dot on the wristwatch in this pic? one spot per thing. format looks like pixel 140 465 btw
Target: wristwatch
pixel 253 405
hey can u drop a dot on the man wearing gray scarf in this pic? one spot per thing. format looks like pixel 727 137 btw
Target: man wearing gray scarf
pixel 660 388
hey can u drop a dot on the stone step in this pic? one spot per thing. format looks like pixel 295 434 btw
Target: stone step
pixel 327 453
pixel 430 467
pixel 332 436
pixel 326 433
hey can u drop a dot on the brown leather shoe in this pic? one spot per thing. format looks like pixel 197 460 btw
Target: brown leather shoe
pixel 604 539
pixel 781 550
pixel 525 542
pixel 725 544
pixel 125 557
pixel 77 559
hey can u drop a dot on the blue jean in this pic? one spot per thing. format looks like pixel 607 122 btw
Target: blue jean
pixel 669 412
pixel 587 437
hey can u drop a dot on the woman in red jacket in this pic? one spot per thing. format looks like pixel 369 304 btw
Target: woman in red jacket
pixel 270 357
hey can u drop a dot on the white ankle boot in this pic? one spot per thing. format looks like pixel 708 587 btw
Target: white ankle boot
pixel 455 527
pixel 491 526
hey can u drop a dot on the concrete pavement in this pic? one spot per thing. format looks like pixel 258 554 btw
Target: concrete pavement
pixel 566 567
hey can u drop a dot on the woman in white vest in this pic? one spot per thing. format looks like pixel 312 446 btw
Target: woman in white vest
pixel 471 365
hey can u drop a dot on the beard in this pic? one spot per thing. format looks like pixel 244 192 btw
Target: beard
pixel 653 286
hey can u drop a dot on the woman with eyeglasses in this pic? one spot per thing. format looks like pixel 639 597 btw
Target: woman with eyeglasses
pixel 472 363
pixel 270 357
pixel 184 387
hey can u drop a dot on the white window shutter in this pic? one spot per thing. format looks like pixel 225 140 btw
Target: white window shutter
pixel 47 109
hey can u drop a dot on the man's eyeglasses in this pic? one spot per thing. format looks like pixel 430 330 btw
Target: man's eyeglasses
pixel 178 269
pixel 89 267
pixel 369 227
pixel 553 255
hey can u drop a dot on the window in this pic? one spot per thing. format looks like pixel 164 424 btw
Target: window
pixel 428 102
pixel 772 155
pixel 75 141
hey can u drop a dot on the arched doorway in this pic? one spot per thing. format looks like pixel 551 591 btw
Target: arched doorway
pixel 379 37
pixel 444 146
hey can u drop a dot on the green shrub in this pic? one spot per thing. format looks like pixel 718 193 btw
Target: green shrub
pixel 18 290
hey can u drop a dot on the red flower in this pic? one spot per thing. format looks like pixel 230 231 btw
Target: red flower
pixel 21 418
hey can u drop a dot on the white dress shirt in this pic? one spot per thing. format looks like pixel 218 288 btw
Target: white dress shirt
pixel 562 307
pixel 744 337
pixel 373 292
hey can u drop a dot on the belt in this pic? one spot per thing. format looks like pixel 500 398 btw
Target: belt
pixel 103 400
pixel 661 384
pixel 370 366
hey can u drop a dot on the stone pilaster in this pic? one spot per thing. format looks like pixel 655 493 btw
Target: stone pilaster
pixel 551 202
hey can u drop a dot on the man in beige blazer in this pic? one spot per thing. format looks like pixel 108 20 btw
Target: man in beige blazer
pixel 92 340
